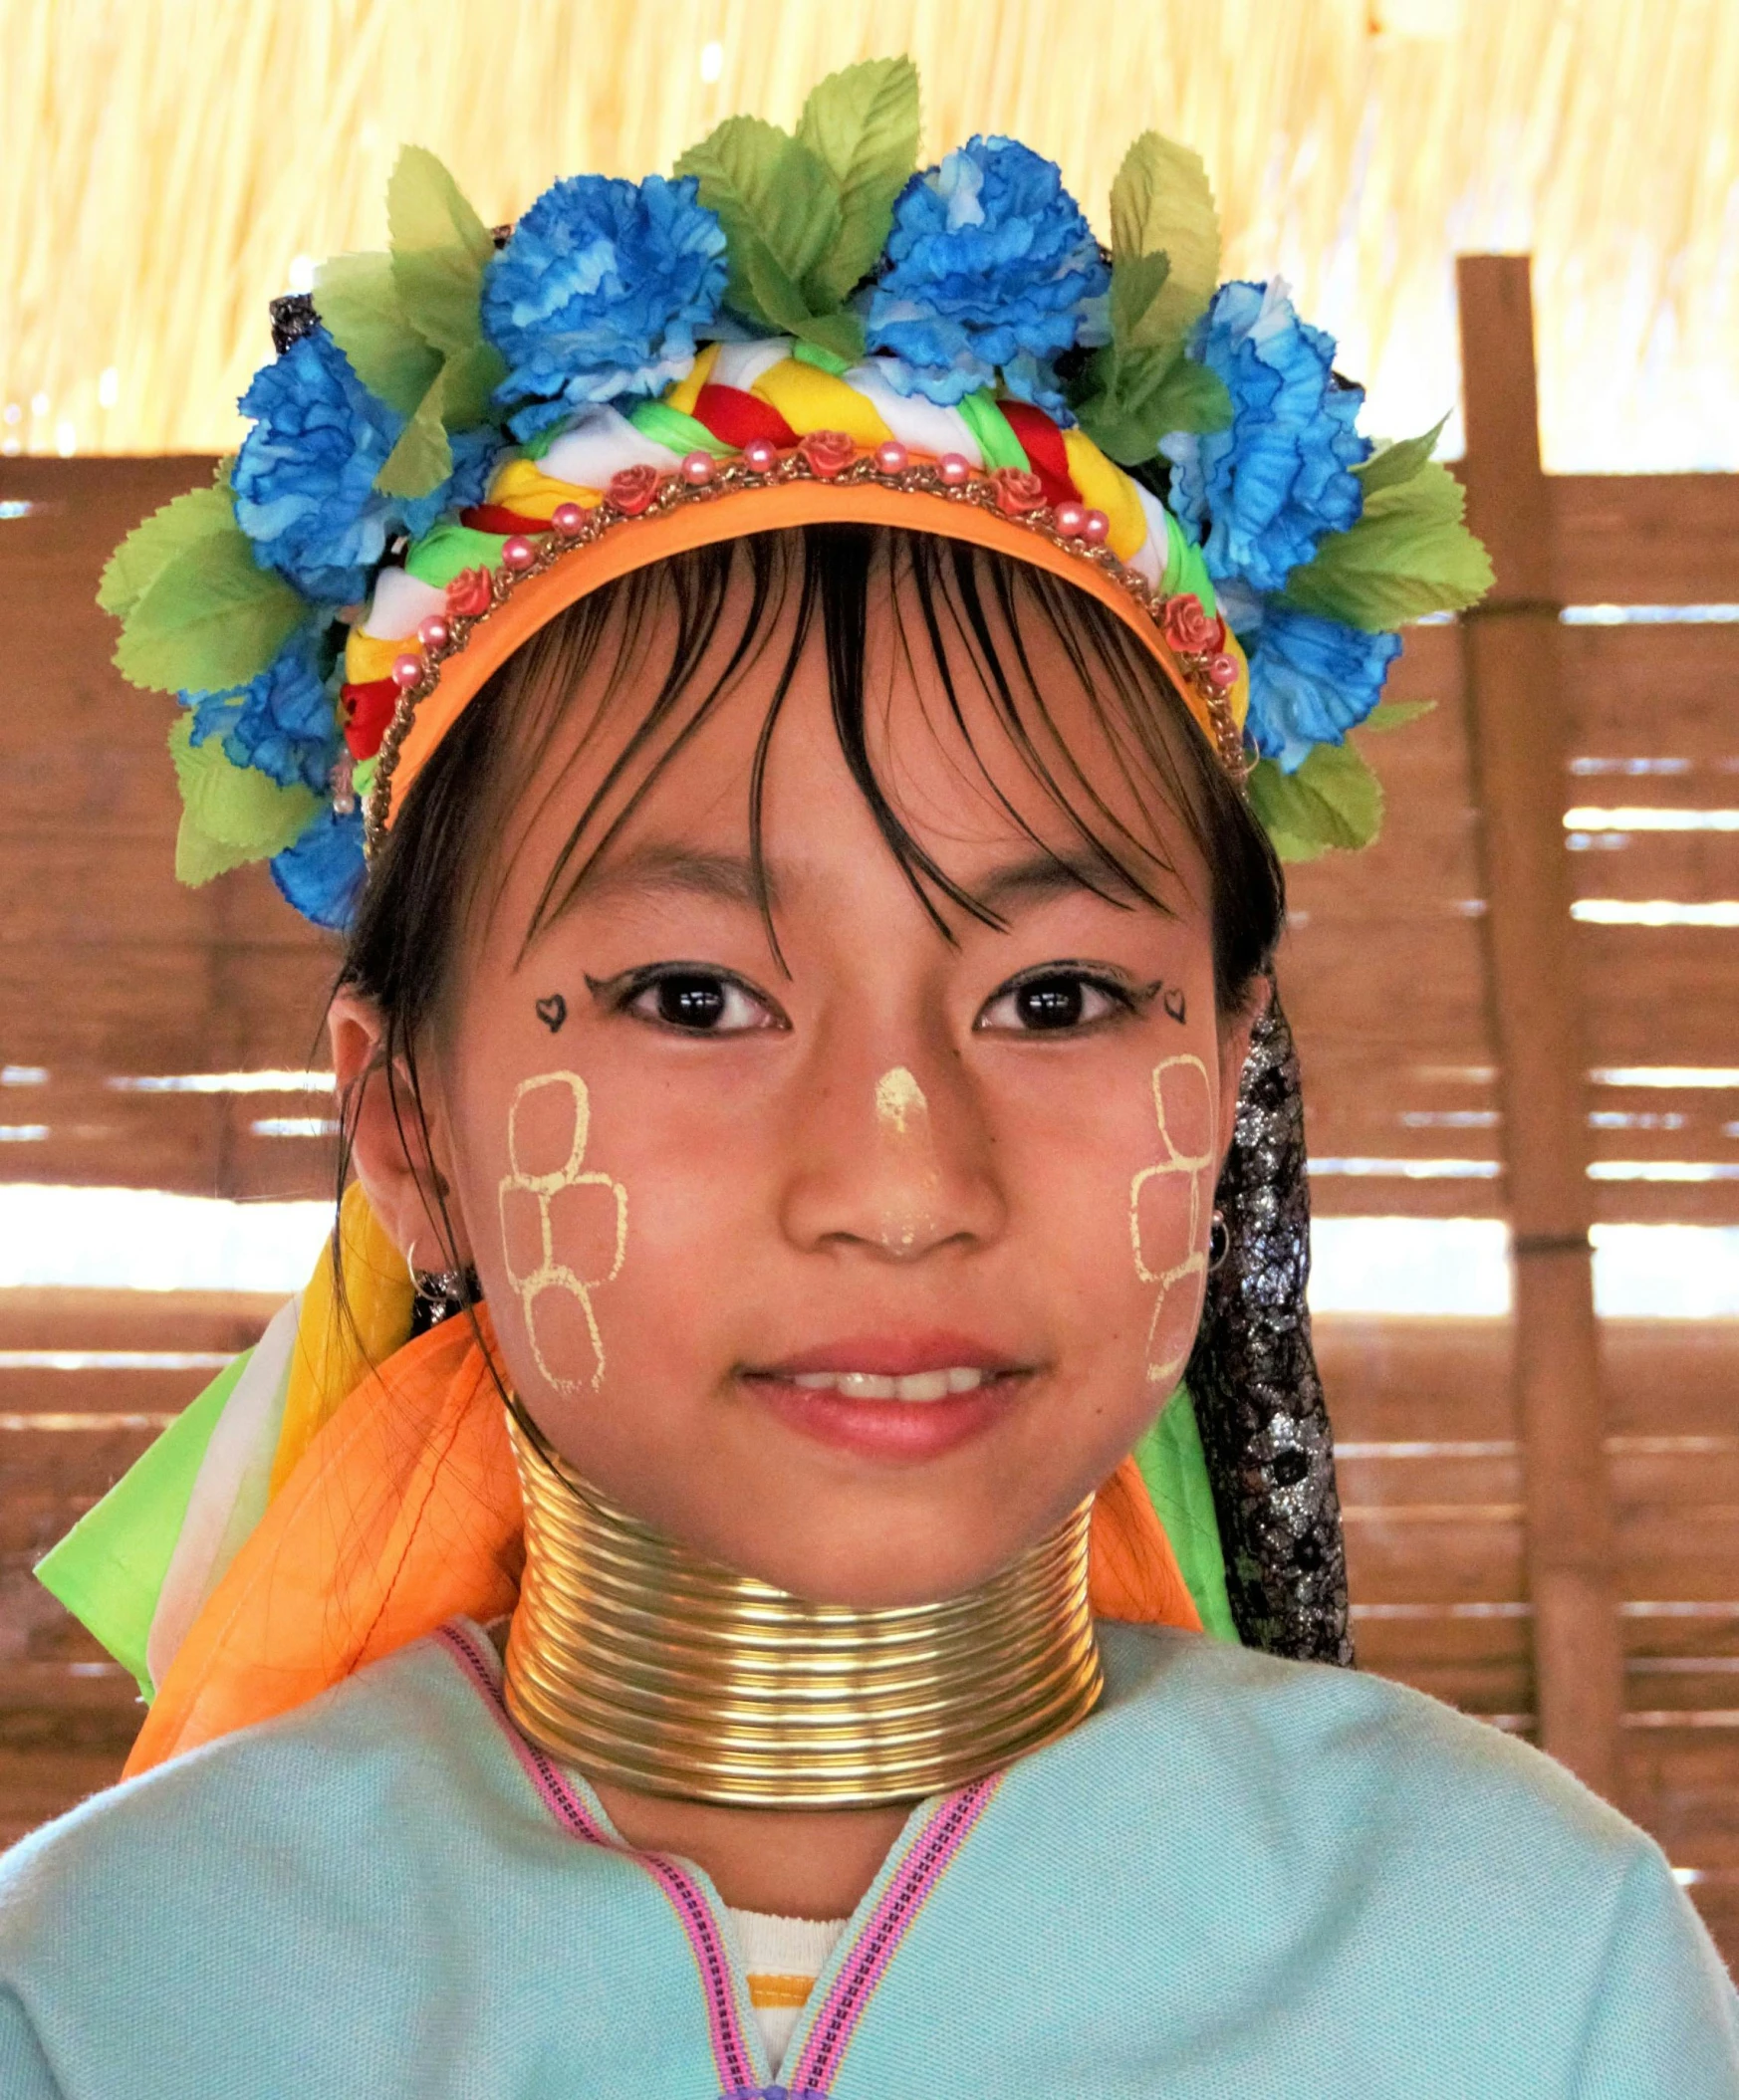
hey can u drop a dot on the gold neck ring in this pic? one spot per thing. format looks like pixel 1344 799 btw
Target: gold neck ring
pixel 646 1665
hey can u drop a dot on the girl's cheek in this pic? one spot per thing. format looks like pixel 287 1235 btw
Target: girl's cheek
pixel 1170 1202
pixel 563 1225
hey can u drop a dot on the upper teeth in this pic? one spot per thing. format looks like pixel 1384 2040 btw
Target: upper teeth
pixel 872 1385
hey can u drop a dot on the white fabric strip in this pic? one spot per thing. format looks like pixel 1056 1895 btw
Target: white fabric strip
pixel 783 1947
pixel 233 1478
pixel 913 420
pixel 600 444
pixel 740 365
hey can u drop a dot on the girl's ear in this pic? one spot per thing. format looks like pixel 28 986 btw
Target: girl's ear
pixel 1235 1033
pixel 395 1152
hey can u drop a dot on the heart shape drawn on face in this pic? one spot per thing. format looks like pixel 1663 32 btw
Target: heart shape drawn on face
pixel 552 1011
pixel 1171 1000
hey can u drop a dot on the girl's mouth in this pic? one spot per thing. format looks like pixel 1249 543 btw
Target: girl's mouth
pixel 907 1399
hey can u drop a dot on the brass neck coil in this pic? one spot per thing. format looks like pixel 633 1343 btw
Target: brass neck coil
pixel 644 1664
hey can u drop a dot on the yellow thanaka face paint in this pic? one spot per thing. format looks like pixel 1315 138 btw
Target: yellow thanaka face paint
pixel 902 1115
pixel 900 1106
pixel 1169 1242
pixel 548 1187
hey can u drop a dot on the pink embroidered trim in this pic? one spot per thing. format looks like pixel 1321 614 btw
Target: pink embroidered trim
pixel 731 2057
pixel 893 1917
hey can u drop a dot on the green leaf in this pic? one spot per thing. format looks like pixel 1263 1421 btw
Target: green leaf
pixel 1164 204
pixel 862 124
pixel 1395 714
pixel 1409 553
pixel 1400 462
pixel 230 814
pixel 771 194
pixel 149 549
pixel 357 298
pixel 1189 397
pixel 1143 394
pixel 441 248
pixel 421 459
pixel 468 379
pixel 1333 800
pixel 211 618
pixel 1138 321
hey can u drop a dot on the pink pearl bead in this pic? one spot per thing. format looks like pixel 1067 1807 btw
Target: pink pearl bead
pixel 518 553
pixel 761 455
pixel 1095 528
pixel 891 457
pixel 700 468
pixel 1071 520
pixel 407 671
pixel 1222 672
pixel 434 632
pixel 955 470
pixel 568 517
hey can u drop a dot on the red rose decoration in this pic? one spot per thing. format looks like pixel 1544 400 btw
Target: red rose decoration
pixel 469 593
pixel 1190 628
pixel 1018 492
pixel 634 489
pixel 829 452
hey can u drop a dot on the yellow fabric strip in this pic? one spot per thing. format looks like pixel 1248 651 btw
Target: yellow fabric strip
pixel 367 657
pixel 522 486
pixel 1105 487
pixel 810 399
pixel 684 395
pixel 339 1344
pixel 783 1993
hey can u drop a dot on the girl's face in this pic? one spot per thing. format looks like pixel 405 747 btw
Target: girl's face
pixel 858 1264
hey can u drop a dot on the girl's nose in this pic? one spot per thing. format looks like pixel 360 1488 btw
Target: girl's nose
pixel 893 1164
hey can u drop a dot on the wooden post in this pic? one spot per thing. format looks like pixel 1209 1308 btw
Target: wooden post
pixel 1517 735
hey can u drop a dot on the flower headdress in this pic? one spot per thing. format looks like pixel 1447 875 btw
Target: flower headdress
pixel 461 436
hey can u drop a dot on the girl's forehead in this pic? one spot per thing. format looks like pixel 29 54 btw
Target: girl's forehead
pixel 975 741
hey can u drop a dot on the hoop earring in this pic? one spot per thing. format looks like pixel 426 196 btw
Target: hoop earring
pixel 1219 1243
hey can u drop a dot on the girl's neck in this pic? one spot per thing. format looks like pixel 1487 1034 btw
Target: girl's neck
pixel 793 1862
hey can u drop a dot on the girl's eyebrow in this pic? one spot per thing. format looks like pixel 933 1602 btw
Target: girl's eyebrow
pixel 730 878
pixel 1038 877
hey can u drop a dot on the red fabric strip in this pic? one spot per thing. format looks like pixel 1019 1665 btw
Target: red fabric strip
pixel 367 711
pixel 492 517
pixel 1043 444
pixel 734 417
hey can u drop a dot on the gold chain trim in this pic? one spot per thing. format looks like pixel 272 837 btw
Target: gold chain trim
pixel 644 1664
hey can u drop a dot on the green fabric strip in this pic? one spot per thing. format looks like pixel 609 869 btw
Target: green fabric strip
pixel 823 360
pixel 1174 1468
pixel 666 426
pixel 1185 571
pixel 109 1569
pixel 994 433
pixel 448 549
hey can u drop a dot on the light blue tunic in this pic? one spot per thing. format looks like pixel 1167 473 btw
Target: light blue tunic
pixel 1242 1879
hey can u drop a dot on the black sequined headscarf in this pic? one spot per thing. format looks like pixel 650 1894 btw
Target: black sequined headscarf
pixel 1253 1377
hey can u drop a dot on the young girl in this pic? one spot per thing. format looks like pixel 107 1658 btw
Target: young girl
pixel 806 1030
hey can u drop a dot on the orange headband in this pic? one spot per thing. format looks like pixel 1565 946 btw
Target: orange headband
pixel 604 543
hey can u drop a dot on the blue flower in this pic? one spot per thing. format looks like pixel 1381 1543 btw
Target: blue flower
pixel 992 268
pixel 303 480
pixel 283 724
pixel 600 292
pixel 1268 489
pixel 322 873
pixel 1311 680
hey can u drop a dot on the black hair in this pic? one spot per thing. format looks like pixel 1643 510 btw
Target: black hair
pixel 973 610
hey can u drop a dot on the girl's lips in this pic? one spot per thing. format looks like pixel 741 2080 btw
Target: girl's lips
pixel 893 1429
pixel 903 1356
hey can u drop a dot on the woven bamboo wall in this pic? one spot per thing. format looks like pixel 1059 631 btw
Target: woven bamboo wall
pixel 107 968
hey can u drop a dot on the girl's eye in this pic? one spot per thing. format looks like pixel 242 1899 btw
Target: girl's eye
pixel 701 1004
pixel 1057 999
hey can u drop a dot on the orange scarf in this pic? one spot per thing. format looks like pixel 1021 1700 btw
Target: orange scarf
pixel 404 1512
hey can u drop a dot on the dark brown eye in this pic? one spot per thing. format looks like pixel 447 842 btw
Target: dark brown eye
pixel 1055 1001
pixel 690 1001
pixel 1051 1002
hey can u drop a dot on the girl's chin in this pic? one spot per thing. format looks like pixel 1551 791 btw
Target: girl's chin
pixel 893 1432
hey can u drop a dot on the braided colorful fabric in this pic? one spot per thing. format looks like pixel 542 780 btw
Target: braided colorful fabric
pixel 460 437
